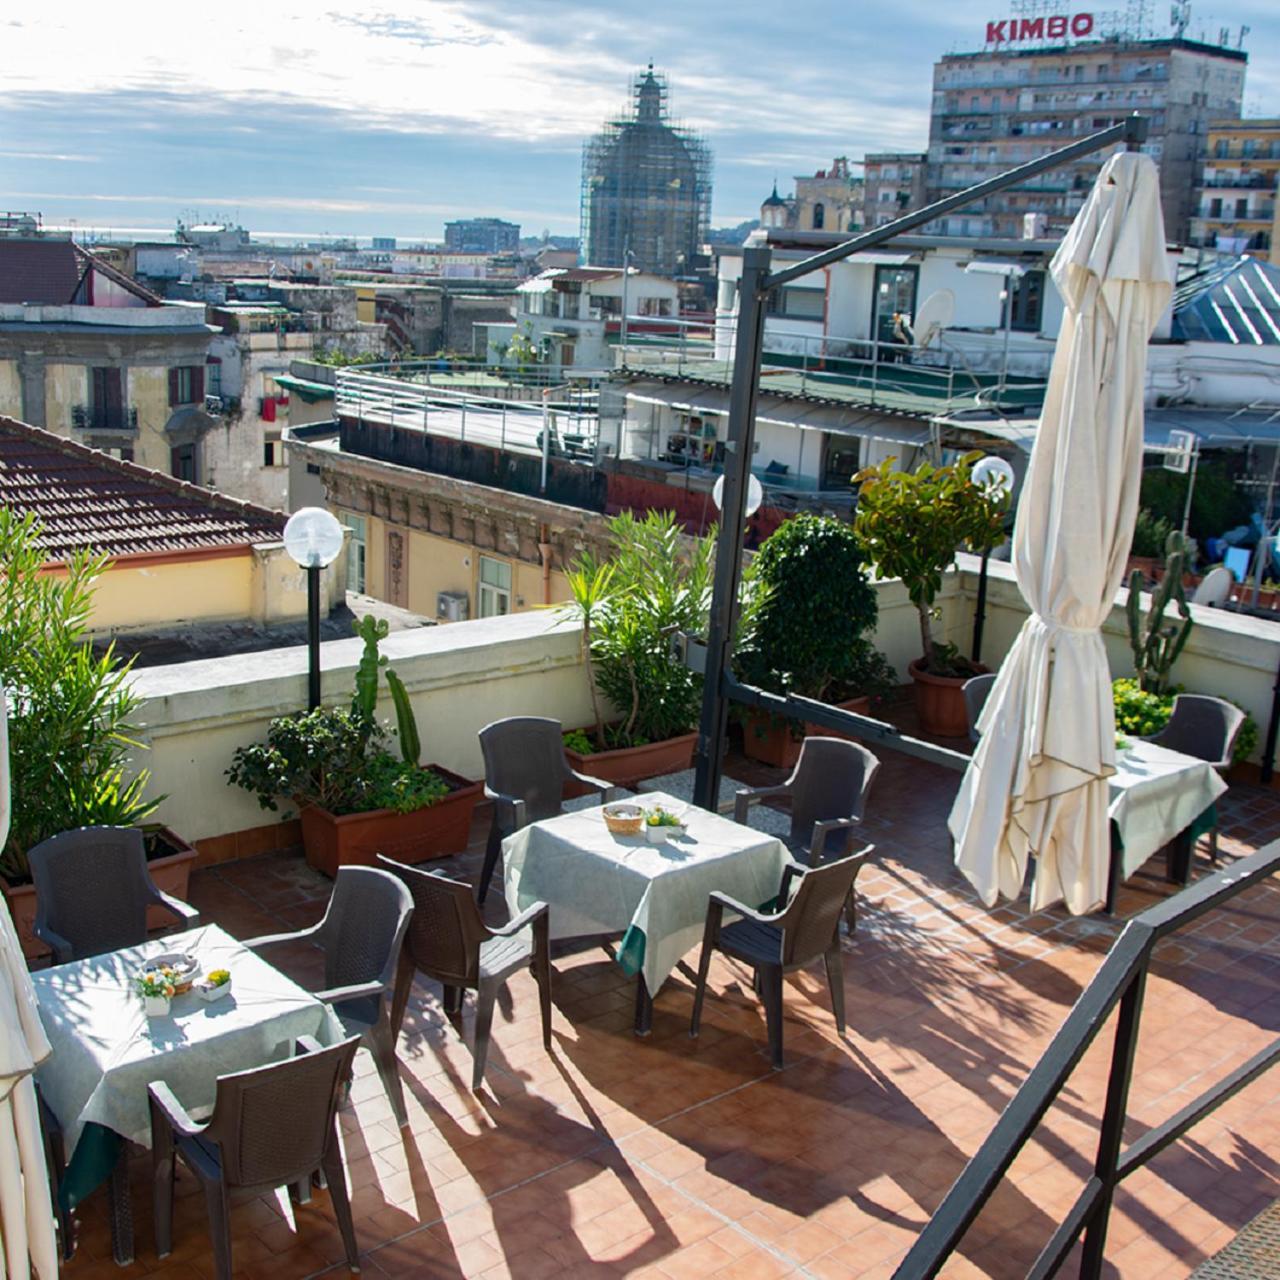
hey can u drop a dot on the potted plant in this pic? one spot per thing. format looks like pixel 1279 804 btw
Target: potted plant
pixel 809 633
pixel 70 723
pixel 661 824
pixel 1146 552
pixel 656 580
pixel 357 799
pixel 156 987
pixel 911 524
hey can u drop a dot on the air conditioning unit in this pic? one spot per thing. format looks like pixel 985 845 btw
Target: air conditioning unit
pixel 453 606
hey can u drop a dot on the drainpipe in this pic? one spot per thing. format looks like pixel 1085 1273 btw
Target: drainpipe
pixel 544 550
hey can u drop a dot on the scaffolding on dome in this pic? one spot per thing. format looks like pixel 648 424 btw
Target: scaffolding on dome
pixel 646 187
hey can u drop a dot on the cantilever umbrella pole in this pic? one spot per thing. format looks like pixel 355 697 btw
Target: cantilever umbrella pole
pixel 754 287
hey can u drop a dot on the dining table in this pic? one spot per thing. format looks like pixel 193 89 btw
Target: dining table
pixel 1160 799
pixel 106 1050
pixel 654 896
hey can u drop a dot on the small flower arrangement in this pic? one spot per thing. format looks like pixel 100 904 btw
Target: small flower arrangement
pixel 1122 743
pixel 155 983
pixel 218 977
pixel 214 985
pixel 660 824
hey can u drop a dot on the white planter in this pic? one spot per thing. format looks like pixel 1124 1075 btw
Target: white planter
pixel 156 1006
pixel 660 835
pixel 208 993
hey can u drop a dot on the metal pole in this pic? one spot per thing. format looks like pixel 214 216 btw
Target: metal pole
pixel 737 469
pixel 626 269
pixel 1191 486
pixel 546 442
pixel 1007 293
pixel 980 612
pixel 313 636
pixel 1273 727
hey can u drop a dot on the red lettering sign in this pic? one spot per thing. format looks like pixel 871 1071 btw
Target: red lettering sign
pixel 1055 28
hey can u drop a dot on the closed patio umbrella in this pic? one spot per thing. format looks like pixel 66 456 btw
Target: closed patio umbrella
pixel 27 1240
pixel 1037 783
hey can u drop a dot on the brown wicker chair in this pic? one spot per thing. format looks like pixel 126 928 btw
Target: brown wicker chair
pixel 449 942
pixel 780 942
pixel 93 890
pixel 271 1127
pixel 525 771
pixel 361 935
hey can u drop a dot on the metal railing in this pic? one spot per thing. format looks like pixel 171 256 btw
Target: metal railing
pixel 104 417
pixel 1120 982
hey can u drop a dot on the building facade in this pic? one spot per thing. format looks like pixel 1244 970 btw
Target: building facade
pixel 893 184
pixel 1015 100
pixel 482 235
pixel 646 188
pixel 828 200
pixel 1238 207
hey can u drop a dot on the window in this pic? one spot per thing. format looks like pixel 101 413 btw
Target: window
pixel 1242 207
pixel 213 376
pixel 272 451
pixel 1028 299
pixel 106 410
pixel 186 385
pixel 819 217
pixel 495 588
pixel 182 462
pixel 1215 207
pixel 356 548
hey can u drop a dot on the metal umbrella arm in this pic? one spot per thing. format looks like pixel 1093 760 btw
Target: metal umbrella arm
pixel 756 283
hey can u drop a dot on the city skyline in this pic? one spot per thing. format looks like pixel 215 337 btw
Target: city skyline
pixel 391 122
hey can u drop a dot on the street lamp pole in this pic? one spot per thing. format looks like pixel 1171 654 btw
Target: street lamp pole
pixel 313 537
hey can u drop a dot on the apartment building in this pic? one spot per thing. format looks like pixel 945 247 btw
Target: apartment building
pixel 1238 210
pixel 894 183
pixel 1012 101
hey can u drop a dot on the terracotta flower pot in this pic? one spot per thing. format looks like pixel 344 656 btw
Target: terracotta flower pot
pixel 940 702
pixel 859 705
pixel 354 839
pixel 770 740
pixel 626 766
pixel 170 871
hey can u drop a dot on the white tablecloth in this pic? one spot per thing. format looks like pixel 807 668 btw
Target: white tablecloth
pixel 599 883
pixel 1155 794
pixel 106 1051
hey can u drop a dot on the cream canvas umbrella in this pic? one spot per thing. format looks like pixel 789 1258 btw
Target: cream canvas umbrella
pixel 1037 783
pixel 27 1240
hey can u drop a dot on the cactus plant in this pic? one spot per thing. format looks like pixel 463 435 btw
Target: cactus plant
pixel 406 722
pixel 371 630
pixel 1157 641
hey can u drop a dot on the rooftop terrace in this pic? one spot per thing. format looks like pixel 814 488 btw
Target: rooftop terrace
pixel 669 1157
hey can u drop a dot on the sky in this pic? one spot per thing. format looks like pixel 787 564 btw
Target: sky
pixel 296 118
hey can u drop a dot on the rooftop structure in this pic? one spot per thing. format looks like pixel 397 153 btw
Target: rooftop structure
pixel 481 235
pixel 646 188
pixel 1238 210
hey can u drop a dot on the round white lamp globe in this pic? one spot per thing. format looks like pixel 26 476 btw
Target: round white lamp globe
pixel 992 473
pixel 755 495
pixel 313 538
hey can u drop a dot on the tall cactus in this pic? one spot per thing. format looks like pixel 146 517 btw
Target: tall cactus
pixel 371 630
pixel 1157 642
pixel 406 722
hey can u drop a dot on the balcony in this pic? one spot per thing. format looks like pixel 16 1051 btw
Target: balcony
pixel 1242 182
pixel 99 417
pixel 668 1156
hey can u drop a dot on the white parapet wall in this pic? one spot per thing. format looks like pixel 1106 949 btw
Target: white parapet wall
pixel 460 678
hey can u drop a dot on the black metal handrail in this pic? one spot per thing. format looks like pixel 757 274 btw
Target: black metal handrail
pixel 1120 981
pixel 104 417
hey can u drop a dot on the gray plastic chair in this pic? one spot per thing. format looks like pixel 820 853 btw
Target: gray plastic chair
pixel 828 791
pixel 362 935
pixel 274 1126
pixel 780 942
pixel 93 890
pixel 525 771
pixel 976 691
pixel 449 942
pixel 1205 728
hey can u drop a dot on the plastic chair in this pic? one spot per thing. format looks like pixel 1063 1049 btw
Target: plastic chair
pixel 1214 589
pixel 525 771
pixel 1205 728
pixel 93 890
pixel 274 1126
pixel 778 943
pixel 449 942
pixel 362 935
pixel 976 691
pixel 828 791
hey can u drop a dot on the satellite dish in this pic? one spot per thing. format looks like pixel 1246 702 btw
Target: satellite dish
pixel 935 313
pixel 755 495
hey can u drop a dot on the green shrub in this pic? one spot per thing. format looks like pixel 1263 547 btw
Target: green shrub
pixel 1140 714
pixel 1217 502
pixel 1150 534
pixel 70 713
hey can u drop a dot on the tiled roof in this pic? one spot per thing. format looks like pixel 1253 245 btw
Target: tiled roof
pixel 39 271
pixel 87 499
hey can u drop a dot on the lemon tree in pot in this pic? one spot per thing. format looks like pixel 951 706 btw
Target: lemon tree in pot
pixel 356 797
pixel 912 524
pixel 810 631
